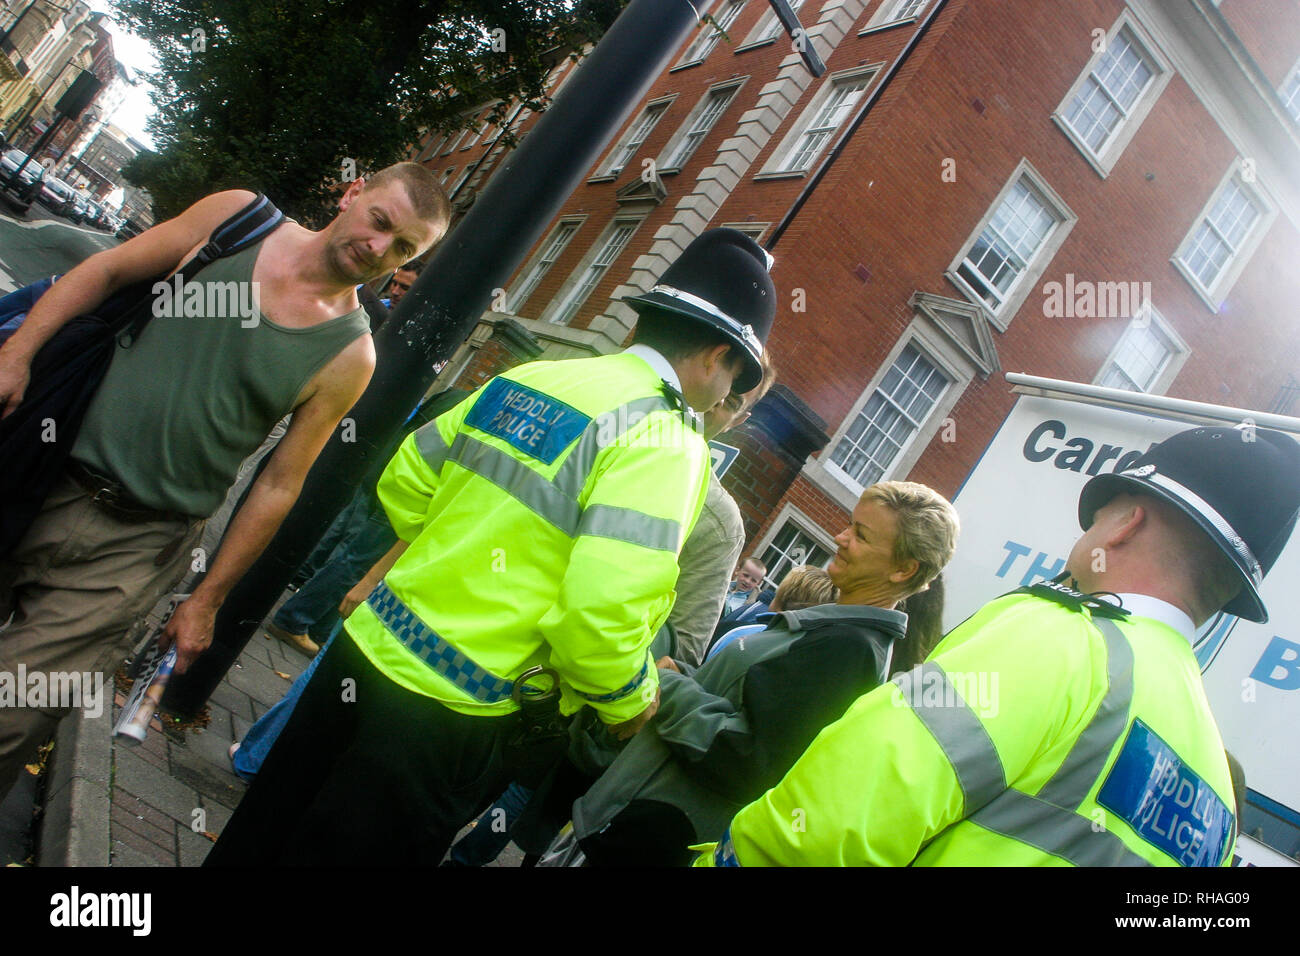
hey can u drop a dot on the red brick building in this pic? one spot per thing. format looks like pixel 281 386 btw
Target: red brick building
pixel 972 187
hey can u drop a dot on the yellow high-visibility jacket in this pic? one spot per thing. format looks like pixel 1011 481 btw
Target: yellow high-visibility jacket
pixel 1036 734
pixel 544 516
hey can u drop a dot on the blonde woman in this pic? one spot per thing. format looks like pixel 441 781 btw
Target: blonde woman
pixel 730 730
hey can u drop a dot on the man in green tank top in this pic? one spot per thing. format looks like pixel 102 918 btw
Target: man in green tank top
pixel 273 329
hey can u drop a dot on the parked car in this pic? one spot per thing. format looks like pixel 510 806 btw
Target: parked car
pixel 11 159
pixel 88 210
pixel 129 229
pixel 57 196
pixel 97 214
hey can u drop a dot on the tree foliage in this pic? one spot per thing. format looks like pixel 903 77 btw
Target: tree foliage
pixel 277 95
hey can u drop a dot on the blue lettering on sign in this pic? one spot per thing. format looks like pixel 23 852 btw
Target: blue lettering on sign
pixel 1279 665
pixel 1166 802
pixel 535 423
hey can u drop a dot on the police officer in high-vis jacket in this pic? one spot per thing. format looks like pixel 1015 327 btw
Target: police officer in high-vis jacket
pixel 539 524
pixel 1058 725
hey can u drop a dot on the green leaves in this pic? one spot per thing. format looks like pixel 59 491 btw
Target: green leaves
pixel 283 91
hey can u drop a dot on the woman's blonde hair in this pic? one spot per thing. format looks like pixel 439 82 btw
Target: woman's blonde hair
pixel 927 527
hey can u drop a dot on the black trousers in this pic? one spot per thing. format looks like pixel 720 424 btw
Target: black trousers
pixel 367 774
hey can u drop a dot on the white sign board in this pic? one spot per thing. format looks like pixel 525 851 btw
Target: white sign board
pixel 1019 520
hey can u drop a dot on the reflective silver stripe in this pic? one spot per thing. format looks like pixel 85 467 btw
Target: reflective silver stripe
pixel 431 446
pixel 519 481
pixel 605 429
pixel 1206 511
pixel 634 527
pixel 1083 765
pixel 746 332
pixel 1061 833
pixel 959 732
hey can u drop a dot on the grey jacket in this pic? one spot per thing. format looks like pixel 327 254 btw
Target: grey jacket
pixel 731 730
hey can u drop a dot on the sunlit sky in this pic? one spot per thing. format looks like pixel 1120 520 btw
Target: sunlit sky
pixel 137 55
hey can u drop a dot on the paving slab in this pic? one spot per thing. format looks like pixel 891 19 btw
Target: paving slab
pixel 259 649
pixel 217 815
pixel 194 847
pixel 233 700
pixel 125 855
pixel 156 788
pixel 207 780
pixel 260 682
pixel 128 840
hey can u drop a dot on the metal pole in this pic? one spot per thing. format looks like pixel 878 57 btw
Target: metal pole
pixel 452 292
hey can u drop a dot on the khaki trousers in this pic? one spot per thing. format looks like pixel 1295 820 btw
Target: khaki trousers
pixel 75 584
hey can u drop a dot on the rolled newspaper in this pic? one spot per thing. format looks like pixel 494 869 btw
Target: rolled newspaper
pixel 146 695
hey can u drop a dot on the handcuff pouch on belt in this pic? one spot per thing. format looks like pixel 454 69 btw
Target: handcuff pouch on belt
pixel 542 736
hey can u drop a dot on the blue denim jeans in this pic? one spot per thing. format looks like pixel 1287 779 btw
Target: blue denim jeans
pixel 261 737
pixel 314 609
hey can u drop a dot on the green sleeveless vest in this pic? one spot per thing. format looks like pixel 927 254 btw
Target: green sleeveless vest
pixel 181 408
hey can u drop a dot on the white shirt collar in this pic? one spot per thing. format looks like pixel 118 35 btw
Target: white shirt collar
pixel 662 367
pixel 1144 605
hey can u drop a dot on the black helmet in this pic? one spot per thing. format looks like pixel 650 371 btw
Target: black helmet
pixel 1240 485
pixel 721 279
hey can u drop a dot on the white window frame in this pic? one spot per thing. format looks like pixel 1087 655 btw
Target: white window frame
pixel 1291 105
pixel 606 171
pixel 1118 138
pixel 778 164
pixel 707 39
pixel 755 230
pixel 836 471
pixel 1173 363
pixel 790 514
pixel 1014 298
pixel 688 125
pixel 889 14
pixel 926 336
pixel 1217 292
pixel 541 263
pixel 770 23
pixel 571 296
pixel 446 176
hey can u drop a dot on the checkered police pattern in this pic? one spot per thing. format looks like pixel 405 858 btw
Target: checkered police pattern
pixel 425 644
pixel 622 692
pixel 724 854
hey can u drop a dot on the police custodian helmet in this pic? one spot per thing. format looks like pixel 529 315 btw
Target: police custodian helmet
pixel 1240 485
pixel 721 280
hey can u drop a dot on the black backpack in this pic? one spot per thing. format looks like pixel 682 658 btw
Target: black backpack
pixel 69 368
